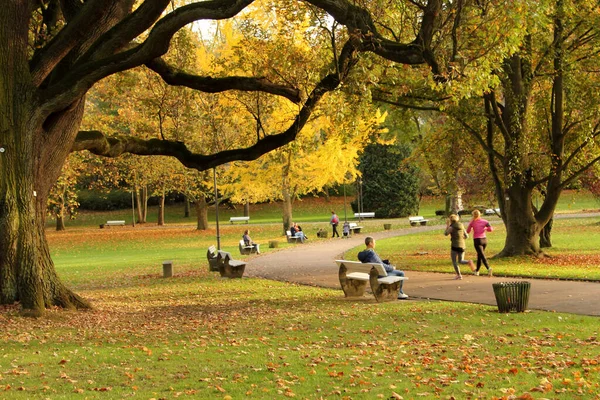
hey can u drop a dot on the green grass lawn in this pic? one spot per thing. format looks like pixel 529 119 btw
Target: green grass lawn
pixel 199 336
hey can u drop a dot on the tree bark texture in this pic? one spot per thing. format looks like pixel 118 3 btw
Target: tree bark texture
pixel 35 150
pixel 202 213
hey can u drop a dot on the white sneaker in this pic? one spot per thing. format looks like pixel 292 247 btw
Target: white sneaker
pixel 490 272
pixel 402 296
pixel 476 273
pixel 458 277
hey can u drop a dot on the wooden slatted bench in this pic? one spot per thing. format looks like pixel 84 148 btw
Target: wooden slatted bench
pixel 244 249
pixel 292 239
pixel 113 223
pixel 418 220
pixel 238 219
pixel 228 267
pixel 354 276
pixel 364 215
pixel 211 255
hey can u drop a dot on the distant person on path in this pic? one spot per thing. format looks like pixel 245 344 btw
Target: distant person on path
pixel 369 256
pixel 457 233
pixel 334 221
pixel 296 231
pixel 479 226
pixel 248 241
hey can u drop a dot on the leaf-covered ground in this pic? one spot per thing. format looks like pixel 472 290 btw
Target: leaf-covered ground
pixel 199 336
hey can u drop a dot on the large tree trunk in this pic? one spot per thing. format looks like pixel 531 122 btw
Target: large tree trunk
pixel 522 229
pixel 202 213
pixel 32 154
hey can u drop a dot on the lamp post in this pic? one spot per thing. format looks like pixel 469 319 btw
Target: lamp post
pixel 217 209
pixel 345 215
pixel 360 199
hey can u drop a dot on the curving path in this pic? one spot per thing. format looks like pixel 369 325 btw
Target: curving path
pixel 313 264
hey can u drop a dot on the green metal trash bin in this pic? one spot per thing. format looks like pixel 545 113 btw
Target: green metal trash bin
pixel 512 296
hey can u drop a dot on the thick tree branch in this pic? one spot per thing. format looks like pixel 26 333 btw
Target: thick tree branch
pixel 417 52
pixel 176 77
pixel 92 15
pixel 81 77
pixel 97 143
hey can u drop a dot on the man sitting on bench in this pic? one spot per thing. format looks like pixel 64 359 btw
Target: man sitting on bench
pixel 369 256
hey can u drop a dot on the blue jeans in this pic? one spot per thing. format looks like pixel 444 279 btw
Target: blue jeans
pixel 397 273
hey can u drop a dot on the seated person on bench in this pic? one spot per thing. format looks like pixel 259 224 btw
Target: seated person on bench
pixel 346 229
pixel 248 241
pixel 369 256
pixel 296 231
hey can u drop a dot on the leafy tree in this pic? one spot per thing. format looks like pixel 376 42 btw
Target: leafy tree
pixel 389 185
pixel 536 116
pixel 56 50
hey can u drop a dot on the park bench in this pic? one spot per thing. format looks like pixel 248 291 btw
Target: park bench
pixel 228 267
pixel 244 249
pixel 354 227
pixel 354 276
pixel 292 239
pixel 418 220
pixel 113 223
pixel 211 255
pixel 492 211
pixel 364 215
pixel 238 219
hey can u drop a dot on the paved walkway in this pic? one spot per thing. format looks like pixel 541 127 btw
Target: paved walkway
pixel 313 264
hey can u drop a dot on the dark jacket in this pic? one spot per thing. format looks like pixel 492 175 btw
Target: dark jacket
pixel 369 256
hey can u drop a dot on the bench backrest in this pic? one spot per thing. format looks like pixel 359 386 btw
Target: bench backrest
pixel 239 218
pixel 419 218
pixel 364 214
pixel 353 224
pixel 357 266
pixel 288 233
pixel 211 252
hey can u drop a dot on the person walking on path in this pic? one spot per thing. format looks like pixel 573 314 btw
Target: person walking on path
pixel 368 255
pixel 479 226
pixel 457 233
pixel 334 221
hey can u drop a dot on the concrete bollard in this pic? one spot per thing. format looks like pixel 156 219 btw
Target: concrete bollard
pixel 167 269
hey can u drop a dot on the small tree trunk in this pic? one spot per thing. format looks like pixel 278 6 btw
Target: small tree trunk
pixel 138 202
pixel 246 209
pixel 286 208
pixel 60 222
pixel 161 209
pixel 202 213
pixel 144 203
pixel 186 207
